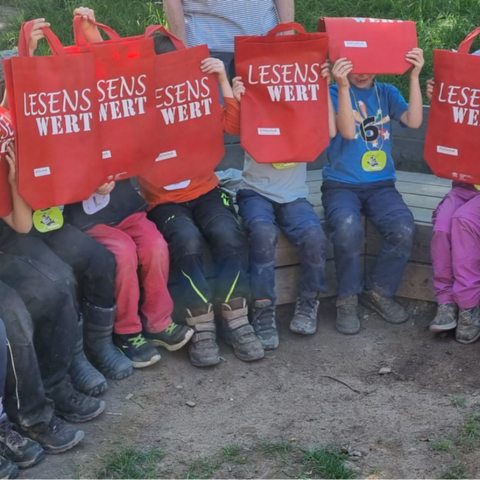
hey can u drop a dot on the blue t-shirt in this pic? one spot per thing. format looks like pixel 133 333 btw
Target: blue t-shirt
pixel 349 161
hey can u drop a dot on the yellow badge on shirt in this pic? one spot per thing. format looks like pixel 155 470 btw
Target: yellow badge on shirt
pixel 477 187
pixel 374 161
pixel 283 166
pixel 48 219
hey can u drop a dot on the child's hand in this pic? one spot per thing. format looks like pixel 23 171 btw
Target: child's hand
pixel 430 86
pixel 36 34
pixel 12 164
pixel 327 72
pixel 216 66
pixel 238 88
pixel 341 69
pixel 105 189
pixel 87 14
pixel 415 57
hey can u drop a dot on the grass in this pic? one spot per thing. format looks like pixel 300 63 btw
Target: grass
pixel 279 447
pixel 203 467
pixel 459 402
pixel 443 446
pixel 326 462
pixel 441 24
pixel 458 470
pixel 468 437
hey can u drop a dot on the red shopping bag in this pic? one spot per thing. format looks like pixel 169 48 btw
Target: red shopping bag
pixel 189 115
pixel 54 109
pixel 284 113
pixel 6 136
pixel 452 143
pixel 374 46
pixel 126 96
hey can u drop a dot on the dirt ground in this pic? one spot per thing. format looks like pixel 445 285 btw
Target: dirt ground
pixel 393 420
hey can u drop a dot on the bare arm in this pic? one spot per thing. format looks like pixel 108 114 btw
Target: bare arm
pixel 216 66
pixel 90 30
pixel 175 19
pixel 285 10
pixel 345 119
pixel 413 117
pixel 332 121
pixel 4 103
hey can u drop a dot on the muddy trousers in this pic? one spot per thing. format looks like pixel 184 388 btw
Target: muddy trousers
pixel 384 207
pixel 38 309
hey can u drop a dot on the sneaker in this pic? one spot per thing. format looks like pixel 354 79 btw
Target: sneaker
pixel 304 319
pixel 7 468
pixel 20 450
pixel 203 349
pixel 347 321
pixel 387 308
pixel 74 406
pixel 137 349
pixel 172 338
pixel 446 318
pixel 237 331
pixel 264 324
pixel 468 328
pixel 55 437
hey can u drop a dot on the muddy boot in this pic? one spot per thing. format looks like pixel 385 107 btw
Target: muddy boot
pixel 468 328
pixel 347 321
pixel 304 319
pixel 84 377
pixel 237 331
pixel 203 349
pixel 445 319
pixel 387 308
pixel 99 345
pixel 264 324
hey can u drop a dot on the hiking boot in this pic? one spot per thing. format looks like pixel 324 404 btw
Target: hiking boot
pixel 22 451
pixel 347 321
pixel 85 378
pixel 98 342
pixel 74 406
pixel 387 308
pixel 55 437
pixel 446 318
pixel 264 324
pixel 137 349
pixel 237 331
pixel 7 468
pixel 468 328
pixel 172 338
pixel 304 319
pixel 203 349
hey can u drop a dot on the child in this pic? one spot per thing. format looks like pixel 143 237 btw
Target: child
pixel 360 177
pixel 188 213
pixel 455 250
pixel 273 196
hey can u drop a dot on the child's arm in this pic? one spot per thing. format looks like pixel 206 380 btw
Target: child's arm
pixel 345 119
pixel 216 66
pixel 430 87
pixel 105 189
pixel 90 30
pixel 4 103
pixel 20 219
pixel 413 117
pixel 332 121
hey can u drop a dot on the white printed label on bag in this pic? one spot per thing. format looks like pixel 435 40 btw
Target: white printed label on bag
pixel 177 186
pixel 269 131
pixel 166 155
pixel 355 44
pixel 106 154
pixel 41 172
pixel 447 150
pixel 95 203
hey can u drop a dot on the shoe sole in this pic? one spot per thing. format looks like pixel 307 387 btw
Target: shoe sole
pixel 467 342
pixel 442 328
pixel 77 419
pixel 33 461
pixel 152 361
pixel 64 448
pixel 302 332
pixel 92 392
pixel 171 348
pixel 369 305
pixel 348 332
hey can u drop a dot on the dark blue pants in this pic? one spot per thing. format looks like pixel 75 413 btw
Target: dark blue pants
pixel 385 209
pixel 301 226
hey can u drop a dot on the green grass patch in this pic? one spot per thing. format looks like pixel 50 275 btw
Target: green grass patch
pixel 203 467
pixel 279 447
pixel 326 462
pixel 468 437
pixel 459 402
pixel 231 451
pixel 458 470
pixel 443 446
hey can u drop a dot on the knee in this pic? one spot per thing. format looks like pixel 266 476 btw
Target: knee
pixel 152 248
pixel 402 234
pixel 348 234
pixel 228 238
pixel 126 255
pixel 314 244
pixel 186 239
pixel 102 261
pixel 263 238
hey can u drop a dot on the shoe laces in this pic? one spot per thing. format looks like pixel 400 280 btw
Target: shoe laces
pixel 171 328
pixel 305 305
pixel 265 316
pixel 12 437
pixel 445 308
pixel 137 341
pixel 466 317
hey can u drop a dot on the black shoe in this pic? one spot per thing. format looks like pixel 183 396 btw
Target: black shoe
pixel 84 377
pixel 172 338
pixel 264 324
pixel 20 450
pixel 347 321
pixel 55 437
pixel 387 308
pixel 7 468
pixel 74 406
pixel 137 349
pixel 305 318
pixel 203 349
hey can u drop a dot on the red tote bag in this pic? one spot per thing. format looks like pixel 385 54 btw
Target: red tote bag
pixel 54 109
pixel 284 113
pixel 374 46
pixel 452 142
pixel 190 116
pixel 6 136
pixel 126 96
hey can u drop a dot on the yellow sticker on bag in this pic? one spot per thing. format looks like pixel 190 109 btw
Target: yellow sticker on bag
pixel 374 161
pixel 48 219
pixel 283 166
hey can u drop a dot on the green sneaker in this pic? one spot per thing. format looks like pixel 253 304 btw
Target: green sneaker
pixel 137 349
pixel 172 338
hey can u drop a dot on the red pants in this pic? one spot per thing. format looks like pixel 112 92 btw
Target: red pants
pixel 142 265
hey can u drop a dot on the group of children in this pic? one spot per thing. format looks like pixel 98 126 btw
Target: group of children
pixel 96 280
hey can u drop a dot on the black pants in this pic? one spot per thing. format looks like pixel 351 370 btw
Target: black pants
pixel 92 263
pixel 3 360
pixel 184 227
pixel 37 306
